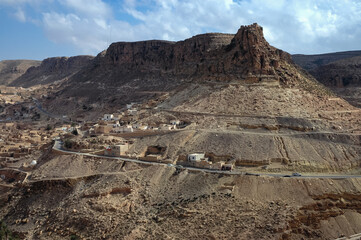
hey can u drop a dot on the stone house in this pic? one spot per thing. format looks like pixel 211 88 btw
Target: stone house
pixel 116 150
pixel 196 157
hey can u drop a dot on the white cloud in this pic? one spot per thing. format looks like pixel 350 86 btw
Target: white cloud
pixel 297 26
pixel 20 15
pixel 93 8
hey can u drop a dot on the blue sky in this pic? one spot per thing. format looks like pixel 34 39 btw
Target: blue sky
pixel 37 29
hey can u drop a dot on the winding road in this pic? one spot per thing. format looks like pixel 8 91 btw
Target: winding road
pixel 58 147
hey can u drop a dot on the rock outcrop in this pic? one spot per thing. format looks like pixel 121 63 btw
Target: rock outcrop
pixel 129 67
pixel 51 70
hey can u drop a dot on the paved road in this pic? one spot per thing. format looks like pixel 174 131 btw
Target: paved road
pixel 38 105
pixel 57 146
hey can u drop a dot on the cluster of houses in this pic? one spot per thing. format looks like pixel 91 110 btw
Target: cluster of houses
pixel 112 123
pixel 16 143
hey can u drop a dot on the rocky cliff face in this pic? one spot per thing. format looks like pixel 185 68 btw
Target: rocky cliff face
pixel 342 73
pixel 224 55
pixel 339 71
pixel 220 55
pixel 52 69
pixel 126 68
pixel 12 69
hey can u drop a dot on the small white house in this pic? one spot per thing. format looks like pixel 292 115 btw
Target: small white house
pixel 108 117
pixel 195 157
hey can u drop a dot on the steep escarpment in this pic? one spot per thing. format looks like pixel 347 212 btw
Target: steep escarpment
pixel 221 57
pixel 133 71
pixel 12 69
pixel 51 70
pixel 342 73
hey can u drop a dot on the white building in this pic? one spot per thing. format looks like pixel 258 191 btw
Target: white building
pixel 195 157
pixel 108 117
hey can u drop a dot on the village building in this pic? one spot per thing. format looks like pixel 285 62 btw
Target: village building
pixel 108 117
pixel 116 150
pixel 175 122
pixel 194 157
pixel 103 129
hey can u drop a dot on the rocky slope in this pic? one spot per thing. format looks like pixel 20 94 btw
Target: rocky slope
pixel 51 70
pixel 12 69
pixel 339 71
pixel 159 202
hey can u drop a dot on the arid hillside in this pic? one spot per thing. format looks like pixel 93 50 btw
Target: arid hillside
pixel 106 199
pixel 279 154
pixel 12 69
pixel 51 70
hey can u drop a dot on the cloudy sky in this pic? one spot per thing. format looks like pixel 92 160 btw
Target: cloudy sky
pixel 37 29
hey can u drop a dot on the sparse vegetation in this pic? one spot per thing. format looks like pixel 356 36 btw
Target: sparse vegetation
pixel 68 143
pixel 5 233
pixel 74 237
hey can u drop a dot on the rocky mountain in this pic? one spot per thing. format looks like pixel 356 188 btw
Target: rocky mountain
pixel 51 70
pixel 339 71
pixel 220 84
pixel 342 73
pixel 240 100
pixel 133 71
pixel 310 62
pixel 12 69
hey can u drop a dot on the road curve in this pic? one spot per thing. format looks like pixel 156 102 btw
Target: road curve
pixel 57 146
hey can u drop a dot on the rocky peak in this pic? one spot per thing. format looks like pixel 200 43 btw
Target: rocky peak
pixel 251 50
pixel 245 56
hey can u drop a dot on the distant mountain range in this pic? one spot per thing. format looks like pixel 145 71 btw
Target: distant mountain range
pixel 10 70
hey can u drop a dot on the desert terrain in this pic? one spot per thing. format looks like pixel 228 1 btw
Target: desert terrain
pixel 220 136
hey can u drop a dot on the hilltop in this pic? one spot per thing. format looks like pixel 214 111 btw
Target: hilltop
pixel 12 69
